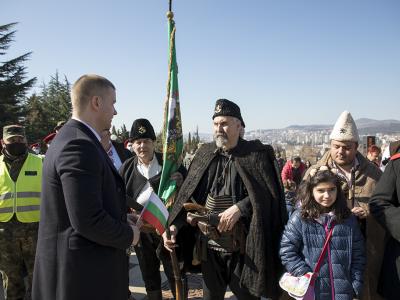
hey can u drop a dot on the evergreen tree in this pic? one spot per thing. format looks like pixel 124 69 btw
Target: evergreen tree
pixel 114 131
pixel 189 140
pixel 158 147
pixel 13 83
pixel 36 125
pixel 196 139
pixel 43 111
pixel 56 99
pixel 124 133
pixel 188 144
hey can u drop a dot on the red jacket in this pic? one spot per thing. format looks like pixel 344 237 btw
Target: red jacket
pixel 287 171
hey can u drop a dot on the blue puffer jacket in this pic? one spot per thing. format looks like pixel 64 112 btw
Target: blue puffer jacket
pixel 301 246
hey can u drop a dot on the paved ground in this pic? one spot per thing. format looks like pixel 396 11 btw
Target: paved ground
pixel 136 284
pixel 139 292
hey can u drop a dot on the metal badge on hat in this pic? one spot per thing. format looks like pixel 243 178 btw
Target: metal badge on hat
pixel 218 108
pixel 142 129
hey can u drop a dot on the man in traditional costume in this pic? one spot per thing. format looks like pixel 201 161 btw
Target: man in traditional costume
pixel 140 174
pixel 238 182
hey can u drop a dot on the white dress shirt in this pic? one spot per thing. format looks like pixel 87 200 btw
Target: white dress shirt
pixel 113 155
pixel 148 171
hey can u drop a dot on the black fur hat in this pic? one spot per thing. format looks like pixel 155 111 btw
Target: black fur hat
pixel 142 129
pixel 224 107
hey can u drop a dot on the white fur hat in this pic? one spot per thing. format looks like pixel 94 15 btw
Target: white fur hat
pixel 345 129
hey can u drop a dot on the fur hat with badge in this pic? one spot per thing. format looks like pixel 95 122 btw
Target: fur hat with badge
pixel 345 129
pixel 224 107
pixel 142 129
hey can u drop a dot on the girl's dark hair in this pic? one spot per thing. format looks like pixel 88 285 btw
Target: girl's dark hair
pixel 311 209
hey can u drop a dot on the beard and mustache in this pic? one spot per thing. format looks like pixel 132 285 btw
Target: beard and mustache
pixel 221 139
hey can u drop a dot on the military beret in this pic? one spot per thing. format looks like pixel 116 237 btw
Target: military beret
pixel 49 138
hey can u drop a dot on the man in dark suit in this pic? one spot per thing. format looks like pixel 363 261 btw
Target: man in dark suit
pixel 83 232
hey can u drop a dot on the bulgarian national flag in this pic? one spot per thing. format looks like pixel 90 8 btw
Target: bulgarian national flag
pixel 155 212
pixel 172 129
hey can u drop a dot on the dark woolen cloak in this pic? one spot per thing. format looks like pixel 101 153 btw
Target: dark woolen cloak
pixel 257 167
pixel 134 181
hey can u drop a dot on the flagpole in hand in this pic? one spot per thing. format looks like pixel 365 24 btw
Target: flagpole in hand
pixel 180 292
pixel 172 148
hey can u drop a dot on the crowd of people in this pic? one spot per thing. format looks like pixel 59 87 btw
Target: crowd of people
pixel 242 216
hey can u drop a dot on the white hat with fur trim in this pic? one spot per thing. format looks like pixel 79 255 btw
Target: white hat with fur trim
pixel 345 129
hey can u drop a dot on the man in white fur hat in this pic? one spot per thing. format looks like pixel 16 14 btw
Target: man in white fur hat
pixel 359 178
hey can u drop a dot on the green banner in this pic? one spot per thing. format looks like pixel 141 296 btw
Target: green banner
pixel 172 129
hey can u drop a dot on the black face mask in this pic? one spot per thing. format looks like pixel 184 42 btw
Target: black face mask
pixel 16 149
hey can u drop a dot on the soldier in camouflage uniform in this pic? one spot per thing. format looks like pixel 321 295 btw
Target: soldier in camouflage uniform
pixel 20 186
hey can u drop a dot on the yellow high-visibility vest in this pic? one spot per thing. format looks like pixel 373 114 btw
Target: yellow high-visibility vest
pixel 22 197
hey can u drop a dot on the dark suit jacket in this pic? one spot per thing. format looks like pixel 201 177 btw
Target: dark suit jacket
pixel 122 152
pixel 83 234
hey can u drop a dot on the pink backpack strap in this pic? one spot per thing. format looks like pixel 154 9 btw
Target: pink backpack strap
pixel 321 257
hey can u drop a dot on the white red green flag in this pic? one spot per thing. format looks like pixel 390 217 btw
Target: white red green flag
pixel 155 212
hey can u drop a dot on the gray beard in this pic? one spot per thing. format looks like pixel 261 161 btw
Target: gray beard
pixel 220 141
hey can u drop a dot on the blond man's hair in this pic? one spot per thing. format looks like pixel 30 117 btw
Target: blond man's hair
pixel 86 87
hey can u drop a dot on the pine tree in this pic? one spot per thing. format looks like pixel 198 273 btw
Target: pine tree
pixel 124 133
pixel 44 110
pixel 36 125
pixel 13 83
pixel 114 131
pixel 158 146
pixel 188 147
pixel 56 99
pixel 197 138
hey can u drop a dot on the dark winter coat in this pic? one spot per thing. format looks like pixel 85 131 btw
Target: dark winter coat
pixel 385 207
pixel 83 233
pixel 258 170
pixel 134 181
pixel 301 246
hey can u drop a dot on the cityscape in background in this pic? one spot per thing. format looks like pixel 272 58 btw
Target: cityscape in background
pixel 310 142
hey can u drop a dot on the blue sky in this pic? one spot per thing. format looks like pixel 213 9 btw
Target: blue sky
pixel 284 62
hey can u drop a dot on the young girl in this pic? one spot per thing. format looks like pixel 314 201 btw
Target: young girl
pixel 322 205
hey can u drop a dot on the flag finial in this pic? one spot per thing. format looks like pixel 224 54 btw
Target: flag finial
pixel 170 15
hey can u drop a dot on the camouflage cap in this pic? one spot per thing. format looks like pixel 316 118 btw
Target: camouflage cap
pixel 13 130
